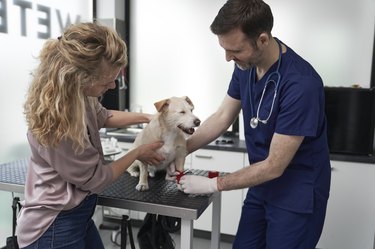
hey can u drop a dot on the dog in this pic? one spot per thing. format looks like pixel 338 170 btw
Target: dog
pixel 173 123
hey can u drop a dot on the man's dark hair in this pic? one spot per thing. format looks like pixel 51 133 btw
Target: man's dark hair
pixel 252 17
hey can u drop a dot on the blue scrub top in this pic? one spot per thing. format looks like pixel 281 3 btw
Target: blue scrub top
pixel 298 111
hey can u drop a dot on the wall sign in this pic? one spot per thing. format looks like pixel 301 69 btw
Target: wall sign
pixel 24 27
pixel 35 18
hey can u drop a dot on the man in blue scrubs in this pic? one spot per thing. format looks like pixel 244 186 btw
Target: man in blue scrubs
pixel 282 99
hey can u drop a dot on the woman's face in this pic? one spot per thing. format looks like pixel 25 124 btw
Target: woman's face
pixel 106 80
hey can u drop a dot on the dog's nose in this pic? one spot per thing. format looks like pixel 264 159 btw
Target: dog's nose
pixel 197 122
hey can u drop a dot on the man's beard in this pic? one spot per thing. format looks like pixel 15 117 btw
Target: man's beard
pixel 251 62
pixel 244 68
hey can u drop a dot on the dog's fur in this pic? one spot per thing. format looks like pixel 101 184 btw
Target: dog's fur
pixel 173 122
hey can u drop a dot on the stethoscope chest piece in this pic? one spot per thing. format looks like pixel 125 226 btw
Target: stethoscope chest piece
pixel 253 122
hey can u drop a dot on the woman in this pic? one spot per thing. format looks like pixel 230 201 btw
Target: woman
pixel 67 169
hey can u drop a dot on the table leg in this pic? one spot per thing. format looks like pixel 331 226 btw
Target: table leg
pixel 215 231
pixel 186 234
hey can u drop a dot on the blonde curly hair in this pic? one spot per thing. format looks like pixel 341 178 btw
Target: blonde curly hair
pixel 55 104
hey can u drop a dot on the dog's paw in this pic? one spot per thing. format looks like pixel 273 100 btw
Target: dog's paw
pixel 151 173
pixel 134 173
pixel 171 176
pixel 142 187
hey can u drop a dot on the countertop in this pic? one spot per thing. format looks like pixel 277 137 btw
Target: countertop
pixel 234 144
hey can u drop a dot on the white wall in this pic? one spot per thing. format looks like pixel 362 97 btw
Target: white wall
pixel 174 53
pixel 17 59
pixel 110 9
pixel 335 36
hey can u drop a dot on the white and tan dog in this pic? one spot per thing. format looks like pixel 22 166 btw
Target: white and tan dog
pixel 173 122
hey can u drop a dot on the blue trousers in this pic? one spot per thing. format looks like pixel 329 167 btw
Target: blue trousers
pixel 72 229
pixel 264 226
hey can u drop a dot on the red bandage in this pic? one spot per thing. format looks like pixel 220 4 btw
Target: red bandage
pixel 178 177
pixel 213 174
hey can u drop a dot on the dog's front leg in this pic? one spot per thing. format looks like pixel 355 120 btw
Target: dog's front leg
pixel 180 158
pixel 171 172
pixel 143 178
pixel 133 170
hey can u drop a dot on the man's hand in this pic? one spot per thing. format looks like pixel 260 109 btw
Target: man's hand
pixel 192 184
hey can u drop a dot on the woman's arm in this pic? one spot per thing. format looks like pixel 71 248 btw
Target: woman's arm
pixel 121 119
pixel 145 153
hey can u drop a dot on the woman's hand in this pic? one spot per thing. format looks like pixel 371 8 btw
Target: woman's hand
pixel 149 117
pixel 147 154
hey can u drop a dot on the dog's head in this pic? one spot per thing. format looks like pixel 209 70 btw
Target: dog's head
pixel 178 113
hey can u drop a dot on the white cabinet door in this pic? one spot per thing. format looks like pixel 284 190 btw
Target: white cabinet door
pixel 231 202
pixel 350 219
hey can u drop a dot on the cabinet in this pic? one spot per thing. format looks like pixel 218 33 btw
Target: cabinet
pixel 350 219
pixel 231 202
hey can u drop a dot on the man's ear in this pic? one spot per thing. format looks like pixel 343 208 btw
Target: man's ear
pixel 160 105
pixel 263 40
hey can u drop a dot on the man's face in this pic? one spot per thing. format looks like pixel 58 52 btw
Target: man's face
pixel 240 49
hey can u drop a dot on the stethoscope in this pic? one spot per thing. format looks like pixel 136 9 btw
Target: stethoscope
pixel 254 121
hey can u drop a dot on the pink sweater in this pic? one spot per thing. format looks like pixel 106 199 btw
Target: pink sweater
pixel 58 179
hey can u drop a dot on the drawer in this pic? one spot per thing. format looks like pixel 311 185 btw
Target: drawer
pixel 223 161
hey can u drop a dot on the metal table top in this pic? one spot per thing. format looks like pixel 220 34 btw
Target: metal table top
pixel 13 175
pixel 163 197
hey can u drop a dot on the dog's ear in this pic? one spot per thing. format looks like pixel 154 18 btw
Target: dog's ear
pixel 160 105
pixel 188 100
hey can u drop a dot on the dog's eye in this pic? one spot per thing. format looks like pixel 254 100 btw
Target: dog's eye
pixel 182 112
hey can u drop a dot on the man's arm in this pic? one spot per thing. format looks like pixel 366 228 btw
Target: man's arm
pixel 215 125
pixel 282 151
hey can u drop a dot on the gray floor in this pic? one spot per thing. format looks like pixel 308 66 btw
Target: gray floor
pixel 107 234
pixel 198 243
